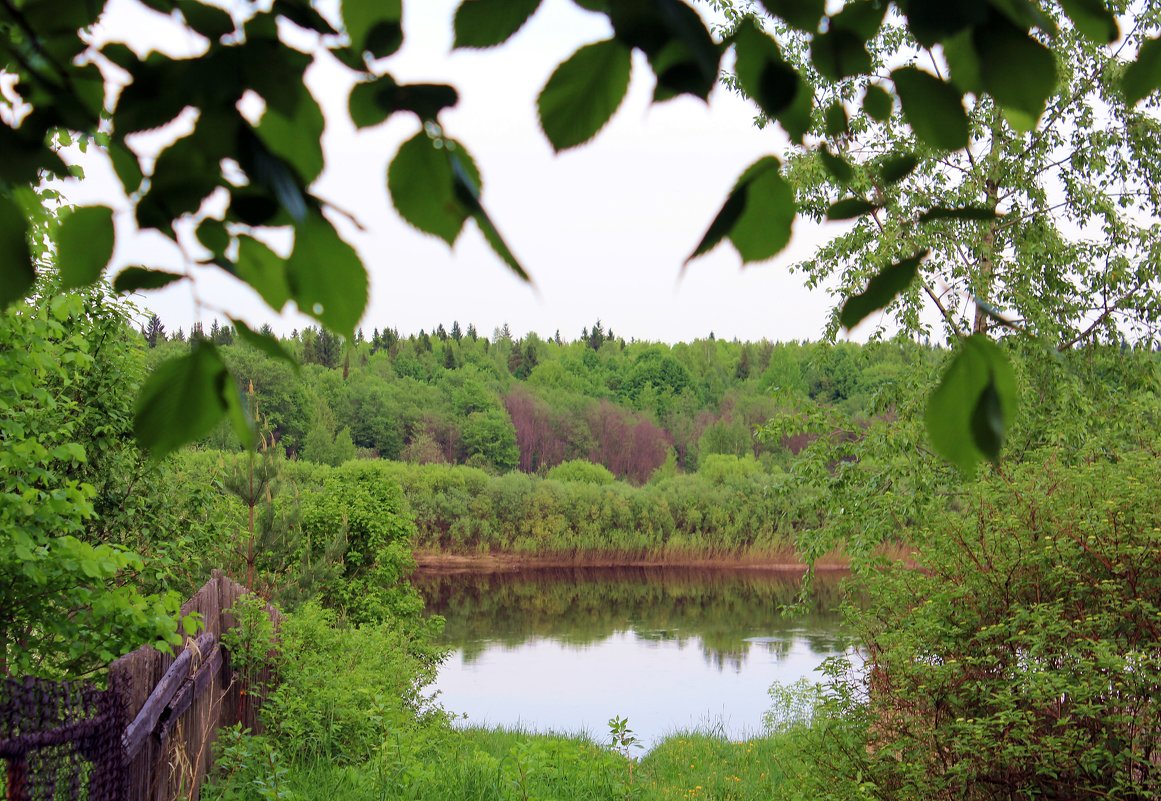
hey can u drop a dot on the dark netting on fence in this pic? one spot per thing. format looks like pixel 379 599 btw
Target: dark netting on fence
pixel 61 741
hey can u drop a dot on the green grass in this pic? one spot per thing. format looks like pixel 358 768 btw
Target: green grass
pixel 510 765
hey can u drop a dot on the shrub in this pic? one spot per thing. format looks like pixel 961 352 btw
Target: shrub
pixel 583 471
pixel 361 514
pixel 345 689
pixel 1024 659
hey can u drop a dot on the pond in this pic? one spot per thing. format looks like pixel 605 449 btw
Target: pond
pixel 566 649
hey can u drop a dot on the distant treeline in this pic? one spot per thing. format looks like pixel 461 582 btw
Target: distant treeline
pixel 502 403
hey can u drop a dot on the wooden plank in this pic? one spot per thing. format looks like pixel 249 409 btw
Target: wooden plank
pixel 203 679
pixel 147 719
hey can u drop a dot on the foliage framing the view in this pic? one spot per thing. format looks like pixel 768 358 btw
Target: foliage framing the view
pixel 63 88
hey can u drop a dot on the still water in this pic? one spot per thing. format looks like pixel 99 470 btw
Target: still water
pixel 668 648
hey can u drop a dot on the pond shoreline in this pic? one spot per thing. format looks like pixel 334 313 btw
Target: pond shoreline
pixel 493 562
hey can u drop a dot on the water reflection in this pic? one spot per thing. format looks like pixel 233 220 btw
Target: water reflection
pixel 567 648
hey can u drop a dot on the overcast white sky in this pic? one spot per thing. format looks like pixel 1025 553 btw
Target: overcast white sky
pixel 603 229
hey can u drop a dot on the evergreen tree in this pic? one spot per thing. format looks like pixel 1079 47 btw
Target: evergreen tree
pixel 441 332
pixel 327 349
pixel 596 337
pixel 456 333
pixel 153 331
pixel 742 371
pixel 472 334
pixel 449 357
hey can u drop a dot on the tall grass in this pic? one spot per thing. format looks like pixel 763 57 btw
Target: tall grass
pixel 497 764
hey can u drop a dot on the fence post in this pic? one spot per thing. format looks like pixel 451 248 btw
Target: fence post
pixel 17 775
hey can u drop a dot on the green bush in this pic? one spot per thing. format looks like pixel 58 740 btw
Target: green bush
pixel 582 471
pixel 361 514
pixel 344 690
pixel 1024 659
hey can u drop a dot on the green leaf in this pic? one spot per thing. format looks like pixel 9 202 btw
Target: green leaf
pixel 840 53
pixel 988 423
pixel 187 171
pixel 880 291
pixel 795 120
pixel 132 279
pixel 849 208
pixel 722 224
pixel 1093 19
pixel 863 18
pixel 934 109
pixel 801 14
pixel 765 77
pixel 1143 76
pixel 261 268
pixel 681 52
pixel 212 23
pixel 963 62
pixel 273 174
pixel 467 189
pixel 375 26
pixel 213 236
pixel 297 138
pixel 757 217
pixel 932 22
pixel 126 166
pixel 422 187
pixel 264 342
pixel 1018 71
pixel 326 277
pixel 17 273
pixel 583 93
pixel 364 105
pixel 1026 14
pixel 84 245
pixel 487 23
pixel 974 405
pixel 373 102
pixel 835 120
pixel 182 400
pixel 764 227
pixel 837 166
pixel 301 14
pixel 896 168
pixel 959 213
pixel 878 103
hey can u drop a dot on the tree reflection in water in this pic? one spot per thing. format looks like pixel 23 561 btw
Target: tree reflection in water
pixel 726 612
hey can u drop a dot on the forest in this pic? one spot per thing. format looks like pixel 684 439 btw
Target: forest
pixel 983 468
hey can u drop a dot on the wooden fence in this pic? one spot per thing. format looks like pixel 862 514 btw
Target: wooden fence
pixel 178 702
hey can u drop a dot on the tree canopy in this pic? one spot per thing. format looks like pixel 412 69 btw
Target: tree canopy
pixel 65 89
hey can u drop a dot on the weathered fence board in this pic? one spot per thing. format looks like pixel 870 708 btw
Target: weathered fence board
pixel 189 696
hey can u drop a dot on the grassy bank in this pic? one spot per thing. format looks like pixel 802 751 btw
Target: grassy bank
pixel 502 765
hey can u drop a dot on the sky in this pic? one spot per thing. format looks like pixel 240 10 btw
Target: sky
pixel 603 229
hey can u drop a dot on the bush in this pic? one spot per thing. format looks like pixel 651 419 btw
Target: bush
pixel 345 689
pixel 583 471
pixel 1024 659
pixel 361 514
